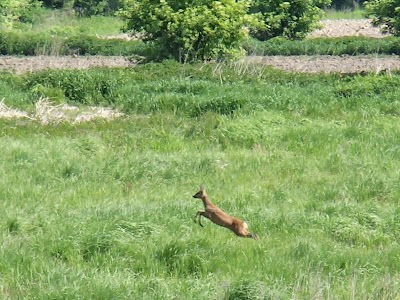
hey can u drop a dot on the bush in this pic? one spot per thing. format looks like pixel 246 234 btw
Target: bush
pixel 386 13
pixel 184 30
pixel 292 19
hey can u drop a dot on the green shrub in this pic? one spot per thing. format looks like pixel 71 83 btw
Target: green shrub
pixel 386 13
pixel 189 30
pixel 292 18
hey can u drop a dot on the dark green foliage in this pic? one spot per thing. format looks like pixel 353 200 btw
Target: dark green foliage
pixel 86 8
pixel 346 4
pixel 55 3
pixel 13 225
pixel 224 105
pixel 386 13
pixel 243 290
pixel 92 7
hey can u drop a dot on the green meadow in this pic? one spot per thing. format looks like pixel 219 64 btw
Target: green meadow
pixel 104 210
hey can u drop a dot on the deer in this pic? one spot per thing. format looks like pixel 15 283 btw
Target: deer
pixel 219 217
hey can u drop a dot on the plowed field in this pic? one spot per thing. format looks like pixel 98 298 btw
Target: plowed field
pixel 331 28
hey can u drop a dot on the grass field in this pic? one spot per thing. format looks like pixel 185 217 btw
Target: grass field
pixel 333 14
pixel 103 210
pixel 65 23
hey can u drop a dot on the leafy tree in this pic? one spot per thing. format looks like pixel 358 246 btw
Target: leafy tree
pixel 192 29
pixel 15 10
pixel 386 13
pixel 292 18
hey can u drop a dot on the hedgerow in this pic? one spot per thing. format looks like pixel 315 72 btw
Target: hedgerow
pixel 16 43
pixel 325 46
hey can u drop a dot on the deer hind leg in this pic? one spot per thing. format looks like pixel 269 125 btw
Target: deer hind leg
pixel 199 213
pixel 246 234
pixel 243 231
pixel 252 236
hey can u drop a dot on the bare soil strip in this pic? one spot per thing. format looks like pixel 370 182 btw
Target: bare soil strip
pixel 328 64
pixel 305 64
pixel 36 63
pixel 341 28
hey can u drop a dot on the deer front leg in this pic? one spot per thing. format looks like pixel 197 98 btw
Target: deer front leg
pixel 199 213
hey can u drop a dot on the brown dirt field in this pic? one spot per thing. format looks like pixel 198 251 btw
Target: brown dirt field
pixel 341 28
pixel 331 28
pixel 327 64
pixel 35 63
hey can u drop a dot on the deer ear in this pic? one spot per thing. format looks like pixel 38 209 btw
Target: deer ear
pixel 202 188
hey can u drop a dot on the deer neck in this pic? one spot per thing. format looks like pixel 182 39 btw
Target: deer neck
pixel 206 201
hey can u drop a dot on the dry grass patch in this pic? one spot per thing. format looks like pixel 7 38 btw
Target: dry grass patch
pixel 10 113
pixel 46 112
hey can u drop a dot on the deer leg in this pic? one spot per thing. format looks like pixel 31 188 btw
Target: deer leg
pixel 252 236
pixel 199 213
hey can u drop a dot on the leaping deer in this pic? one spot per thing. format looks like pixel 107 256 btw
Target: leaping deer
pixel 219 217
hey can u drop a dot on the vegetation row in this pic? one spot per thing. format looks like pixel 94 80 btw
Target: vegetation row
pixel 208 29
pixel 17 43
pixel 196 89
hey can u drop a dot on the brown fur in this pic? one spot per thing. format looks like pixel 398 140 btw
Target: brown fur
pixel 219 217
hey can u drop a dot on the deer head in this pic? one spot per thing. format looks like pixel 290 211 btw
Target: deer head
pixel 200 194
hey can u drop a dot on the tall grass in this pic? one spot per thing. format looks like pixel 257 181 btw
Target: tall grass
pixel 66 23
pixel 104 210
pixel 15 43
pixel 333 14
